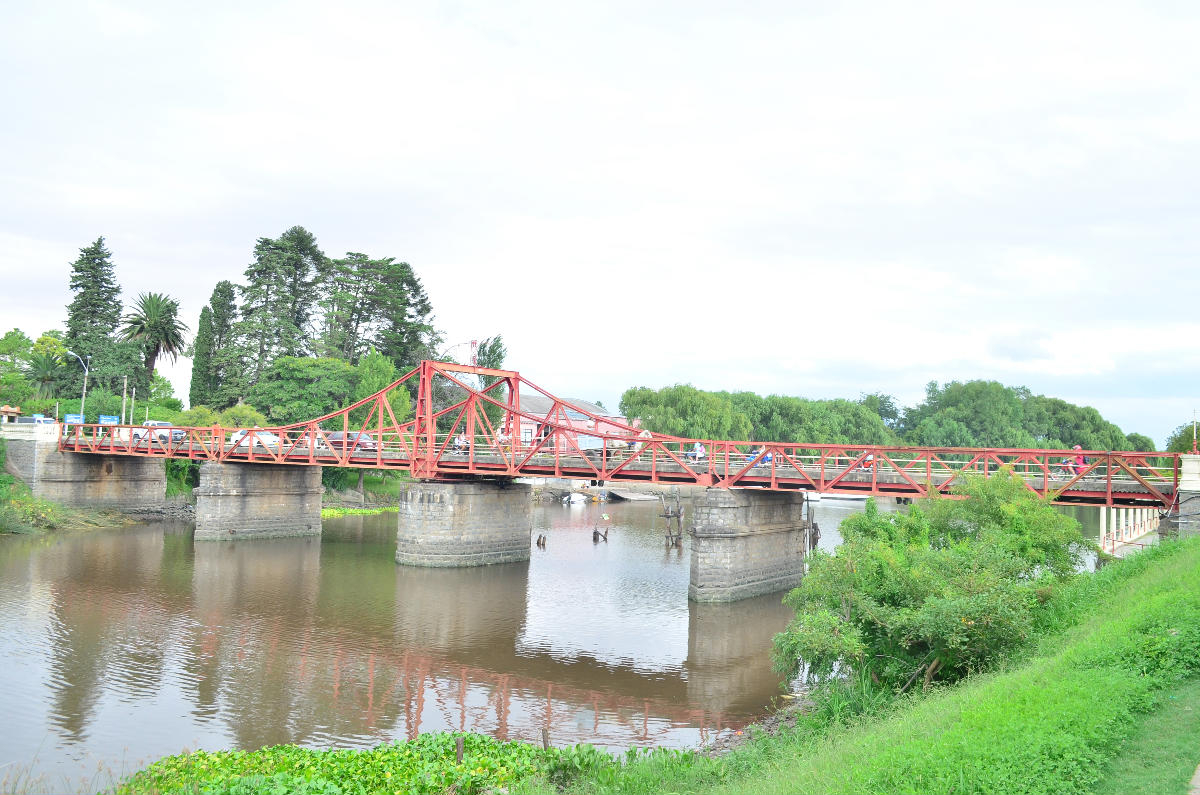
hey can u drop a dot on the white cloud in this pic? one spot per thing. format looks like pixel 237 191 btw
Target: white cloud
pixel 852 198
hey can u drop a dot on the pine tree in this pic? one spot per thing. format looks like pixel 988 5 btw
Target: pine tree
pixel 279 298
pixel 95 312
pixel 404 315
pixel 92 318
pixel 225 376
pixel 200 392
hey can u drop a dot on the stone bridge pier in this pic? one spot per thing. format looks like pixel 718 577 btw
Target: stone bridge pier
pixel 746 542
pixel 467 523
pixel 238 501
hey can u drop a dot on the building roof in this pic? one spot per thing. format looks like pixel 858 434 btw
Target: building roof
pixel 537 403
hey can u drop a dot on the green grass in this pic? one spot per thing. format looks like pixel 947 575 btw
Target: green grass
pixel 328 513
pixel 386 486
pixel 1164 750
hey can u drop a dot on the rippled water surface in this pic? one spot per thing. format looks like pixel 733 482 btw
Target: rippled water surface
pixel 120 646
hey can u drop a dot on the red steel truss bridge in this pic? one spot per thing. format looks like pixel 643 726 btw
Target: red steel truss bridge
pixel 469 423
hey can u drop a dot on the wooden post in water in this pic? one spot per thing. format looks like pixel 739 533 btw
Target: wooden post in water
pixel 458 749
pixel 545 739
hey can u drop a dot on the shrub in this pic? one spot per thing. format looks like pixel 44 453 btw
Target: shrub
pixel 941 591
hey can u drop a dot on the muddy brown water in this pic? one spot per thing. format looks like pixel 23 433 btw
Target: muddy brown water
pixel 120 646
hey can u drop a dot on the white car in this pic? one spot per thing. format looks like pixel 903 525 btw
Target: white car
pixel 265 439
pixel 159 430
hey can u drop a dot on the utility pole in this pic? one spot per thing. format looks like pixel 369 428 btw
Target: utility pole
pixel 124 388
pixel 132 404
pixel 86 366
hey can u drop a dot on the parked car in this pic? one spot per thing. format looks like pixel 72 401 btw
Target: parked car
pixel 160 431
pixel 358 440
pixel 264 439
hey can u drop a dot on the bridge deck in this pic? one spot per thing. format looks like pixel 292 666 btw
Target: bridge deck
pixel 474 437
pixel 889 471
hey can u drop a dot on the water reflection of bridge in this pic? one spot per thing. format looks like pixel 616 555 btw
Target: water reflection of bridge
pixel 299 641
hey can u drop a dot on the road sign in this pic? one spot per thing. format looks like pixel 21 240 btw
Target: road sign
pixel 109 419
pixel 39 416
pixel 73 419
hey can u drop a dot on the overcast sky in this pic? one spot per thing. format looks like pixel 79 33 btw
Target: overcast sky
pixel 805 198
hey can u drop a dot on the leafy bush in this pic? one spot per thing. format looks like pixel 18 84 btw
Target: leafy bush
pixel 423 765
pixel 940 591
pixel 242 415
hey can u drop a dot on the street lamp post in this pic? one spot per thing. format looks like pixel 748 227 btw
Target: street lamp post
pixel 86 367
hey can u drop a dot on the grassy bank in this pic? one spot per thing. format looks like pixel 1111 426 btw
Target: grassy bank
pixel 1112 646
pixel 1111 649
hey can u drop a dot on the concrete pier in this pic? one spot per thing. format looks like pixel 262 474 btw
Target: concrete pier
pixel 473 523
pixel 746 542
pixel 92 481
pixel 238 501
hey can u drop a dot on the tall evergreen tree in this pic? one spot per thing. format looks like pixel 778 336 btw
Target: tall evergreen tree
pixel 227 370
pixel 95 311
pixel 201 389
pixel 279 298
pixel 92 318
pixel 405 315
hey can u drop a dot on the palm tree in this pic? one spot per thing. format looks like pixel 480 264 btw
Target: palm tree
pixel 42 370
pixel 155 321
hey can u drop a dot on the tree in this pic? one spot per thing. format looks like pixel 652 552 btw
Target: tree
pixel 201 388
pixel 226 376
pixel 884 405
pixel 279 297
pixel 405 332
pixel 15 353
pixel 1180 440
pixel 241 416
pixel 199 416
pixel 684 410
pixel 43 371
pixel 1139 442
pixel 162 393
pixel 15 350
pixel 95 311
pixel 943 590
pixel 350 306
pixel 155 323
pixel 50 343
pixel 294 389
pixel 374 372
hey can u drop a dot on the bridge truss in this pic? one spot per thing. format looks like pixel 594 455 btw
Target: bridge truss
pixel 466 422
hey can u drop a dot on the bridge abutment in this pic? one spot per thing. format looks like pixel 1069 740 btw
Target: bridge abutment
pixel 746 542
pixel 1183 518
pixel 92 481
pixel 469 523
pixel 240 501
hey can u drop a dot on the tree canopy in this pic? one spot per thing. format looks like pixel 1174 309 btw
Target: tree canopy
pixel 958 414
pixel 155 323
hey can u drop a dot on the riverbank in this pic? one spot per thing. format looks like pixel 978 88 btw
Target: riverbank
pixel 1109 651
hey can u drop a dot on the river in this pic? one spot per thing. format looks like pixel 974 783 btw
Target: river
pixel 120 646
